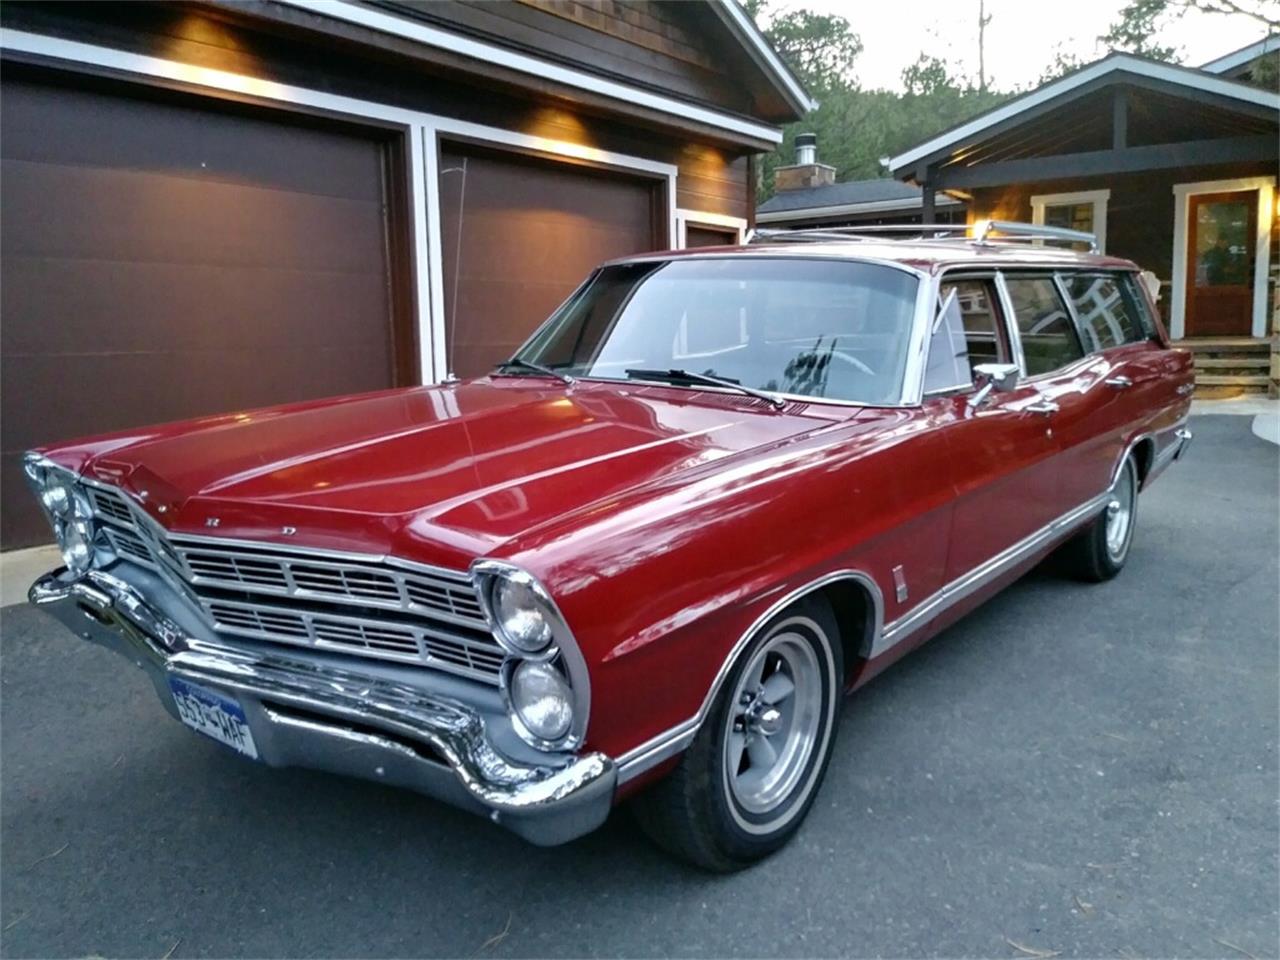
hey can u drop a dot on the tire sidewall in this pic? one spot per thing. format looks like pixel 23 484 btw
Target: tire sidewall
pixel 1112 565
pixel 745 835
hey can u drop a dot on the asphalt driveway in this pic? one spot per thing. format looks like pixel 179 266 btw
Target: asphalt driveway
pixel 1083 769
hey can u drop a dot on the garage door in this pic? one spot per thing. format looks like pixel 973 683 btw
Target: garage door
pixel 162 261
pixel 519 234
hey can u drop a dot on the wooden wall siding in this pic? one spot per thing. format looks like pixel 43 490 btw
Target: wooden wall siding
pixel 711 178
pixel 664 46
pixel 661 27
pixel 1139 213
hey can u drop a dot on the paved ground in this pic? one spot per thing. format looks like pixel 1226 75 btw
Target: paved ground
pixel 1091 770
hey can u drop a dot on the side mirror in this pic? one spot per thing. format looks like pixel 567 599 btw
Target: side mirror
pixel 993 376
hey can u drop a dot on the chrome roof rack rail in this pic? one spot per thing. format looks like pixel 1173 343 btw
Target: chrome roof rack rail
pixel 986 232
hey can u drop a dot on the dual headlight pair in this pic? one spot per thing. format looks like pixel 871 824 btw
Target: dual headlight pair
pixel 68 509
pixel 540 697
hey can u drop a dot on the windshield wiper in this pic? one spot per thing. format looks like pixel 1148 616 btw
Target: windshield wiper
pixel 522 364
pixel 688 376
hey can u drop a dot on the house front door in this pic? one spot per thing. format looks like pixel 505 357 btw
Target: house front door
pixel 1220 263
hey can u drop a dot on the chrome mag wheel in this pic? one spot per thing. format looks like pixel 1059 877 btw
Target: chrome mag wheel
pixel 774 723
pixel 1119 523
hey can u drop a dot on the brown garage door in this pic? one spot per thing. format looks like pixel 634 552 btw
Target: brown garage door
pixel 519 234
pixel 161 261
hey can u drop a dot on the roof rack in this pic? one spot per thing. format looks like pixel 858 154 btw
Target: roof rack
pixel 984 232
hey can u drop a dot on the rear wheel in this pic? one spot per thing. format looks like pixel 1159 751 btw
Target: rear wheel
pixel 750 775
pixel 1100 551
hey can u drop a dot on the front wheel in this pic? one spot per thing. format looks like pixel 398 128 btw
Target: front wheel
pixel 1099 552
pixel 751 774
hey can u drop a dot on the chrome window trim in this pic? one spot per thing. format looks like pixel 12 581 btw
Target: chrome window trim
pixel 1010 323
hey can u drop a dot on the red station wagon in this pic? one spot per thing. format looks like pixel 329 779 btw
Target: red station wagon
pixel 646 556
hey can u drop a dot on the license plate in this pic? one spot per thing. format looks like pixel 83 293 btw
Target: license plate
pixel 214 715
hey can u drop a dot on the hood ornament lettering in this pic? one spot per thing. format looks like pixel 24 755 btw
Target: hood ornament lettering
pixel 288 531
pixel 211 521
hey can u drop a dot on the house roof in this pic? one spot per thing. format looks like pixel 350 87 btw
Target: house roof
pixel 744 28
pixel 852 196
pixel 1113 68
pixel 1238 58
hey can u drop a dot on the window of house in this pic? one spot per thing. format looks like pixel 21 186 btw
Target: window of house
pixel 1108 314
pixel 1048 336
pixel 1085 210
pixel 964 337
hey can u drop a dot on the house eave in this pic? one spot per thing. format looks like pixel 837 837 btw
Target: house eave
pixel 629 96
pixel 902 166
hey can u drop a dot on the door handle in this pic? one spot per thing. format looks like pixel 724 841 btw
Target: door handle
pixel 1044 407
pixel 1119 383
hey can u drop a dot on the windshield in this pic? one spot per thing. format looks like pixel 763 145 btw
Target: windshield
pixel 815 328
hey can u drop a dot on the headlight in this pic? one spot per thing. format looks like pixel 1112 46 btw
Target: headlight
pixel 69 511
pixel 541 700
pixel 58 497
pixel 522 618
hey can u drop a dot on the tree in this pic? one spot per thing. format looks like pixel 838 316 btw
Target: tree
pixel 1139 21
pixel 1135 29
pixel 1063 62
pixel 820 48
pixel 928 75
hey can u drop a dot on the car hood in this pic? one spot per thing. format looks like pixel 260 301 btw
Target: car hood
pixel 440 474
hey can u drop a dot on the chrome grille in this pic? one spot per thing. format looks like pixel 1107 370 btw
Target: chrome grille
pixel 475 656
pixel 439 594
pixel 111 505
pixel 129 545
pixel 372 607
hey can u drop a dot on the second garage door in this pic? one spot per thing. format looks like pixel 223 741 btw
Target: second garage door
pixel 519 234
pixel 162 261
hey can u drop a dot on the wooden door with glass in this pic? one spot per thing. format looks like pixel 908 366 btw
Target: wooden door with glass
pixel 1220 264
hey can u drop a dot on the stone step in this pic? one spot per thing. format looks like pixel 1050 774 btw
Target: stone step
pixel 1258 380
pixel 1228 345
pixel 1258 361
pixel 1227 392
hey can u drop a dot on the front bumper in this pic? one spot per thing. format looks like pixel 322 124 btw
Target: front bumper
pixel 327 718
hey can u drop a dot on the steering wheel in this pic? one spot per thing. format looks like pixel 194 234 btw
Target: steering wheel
pixel 852 360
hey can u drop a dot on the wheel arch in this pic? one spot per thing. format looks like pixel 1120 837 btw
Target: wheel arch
pixel 858 604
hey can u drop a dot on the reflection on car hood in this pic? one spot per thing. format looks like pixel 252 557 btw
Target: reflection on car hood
pixel 452 470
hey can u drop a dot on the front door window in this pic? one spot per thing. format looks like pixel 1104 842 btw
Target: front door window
pixel 1221 260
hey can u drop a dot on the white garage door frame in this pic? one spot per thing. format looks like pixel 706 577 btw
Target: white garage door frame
pixel 422 134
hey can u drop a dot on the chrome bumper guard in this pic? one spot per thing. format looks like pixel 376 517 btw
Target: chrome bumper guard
pixel 308 715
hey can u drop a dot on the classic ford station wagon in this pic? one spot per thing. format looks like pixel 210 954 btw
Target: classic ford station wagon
pixel 645 557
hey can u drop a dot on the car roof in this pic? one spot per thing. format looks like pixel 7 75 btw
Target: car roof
pixel 930 256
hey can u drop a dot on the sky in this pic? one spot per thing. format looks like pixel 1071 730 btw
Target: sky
pixel 1021 36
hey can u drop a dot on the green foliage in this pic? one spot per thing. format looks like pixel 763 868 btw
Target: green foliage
pixel 820 48
pixel 1136 26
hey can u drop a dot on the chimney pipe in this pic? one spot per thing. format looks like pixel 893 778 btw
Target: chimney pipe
pixel 806 148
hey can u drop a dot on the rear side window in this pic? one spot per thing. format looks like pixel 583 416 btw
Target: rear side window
pixel 1109 315
pixel 1048 336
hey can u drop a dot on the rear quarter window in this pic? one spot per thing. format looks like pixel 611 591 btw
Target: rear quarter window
pixel 1109 308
